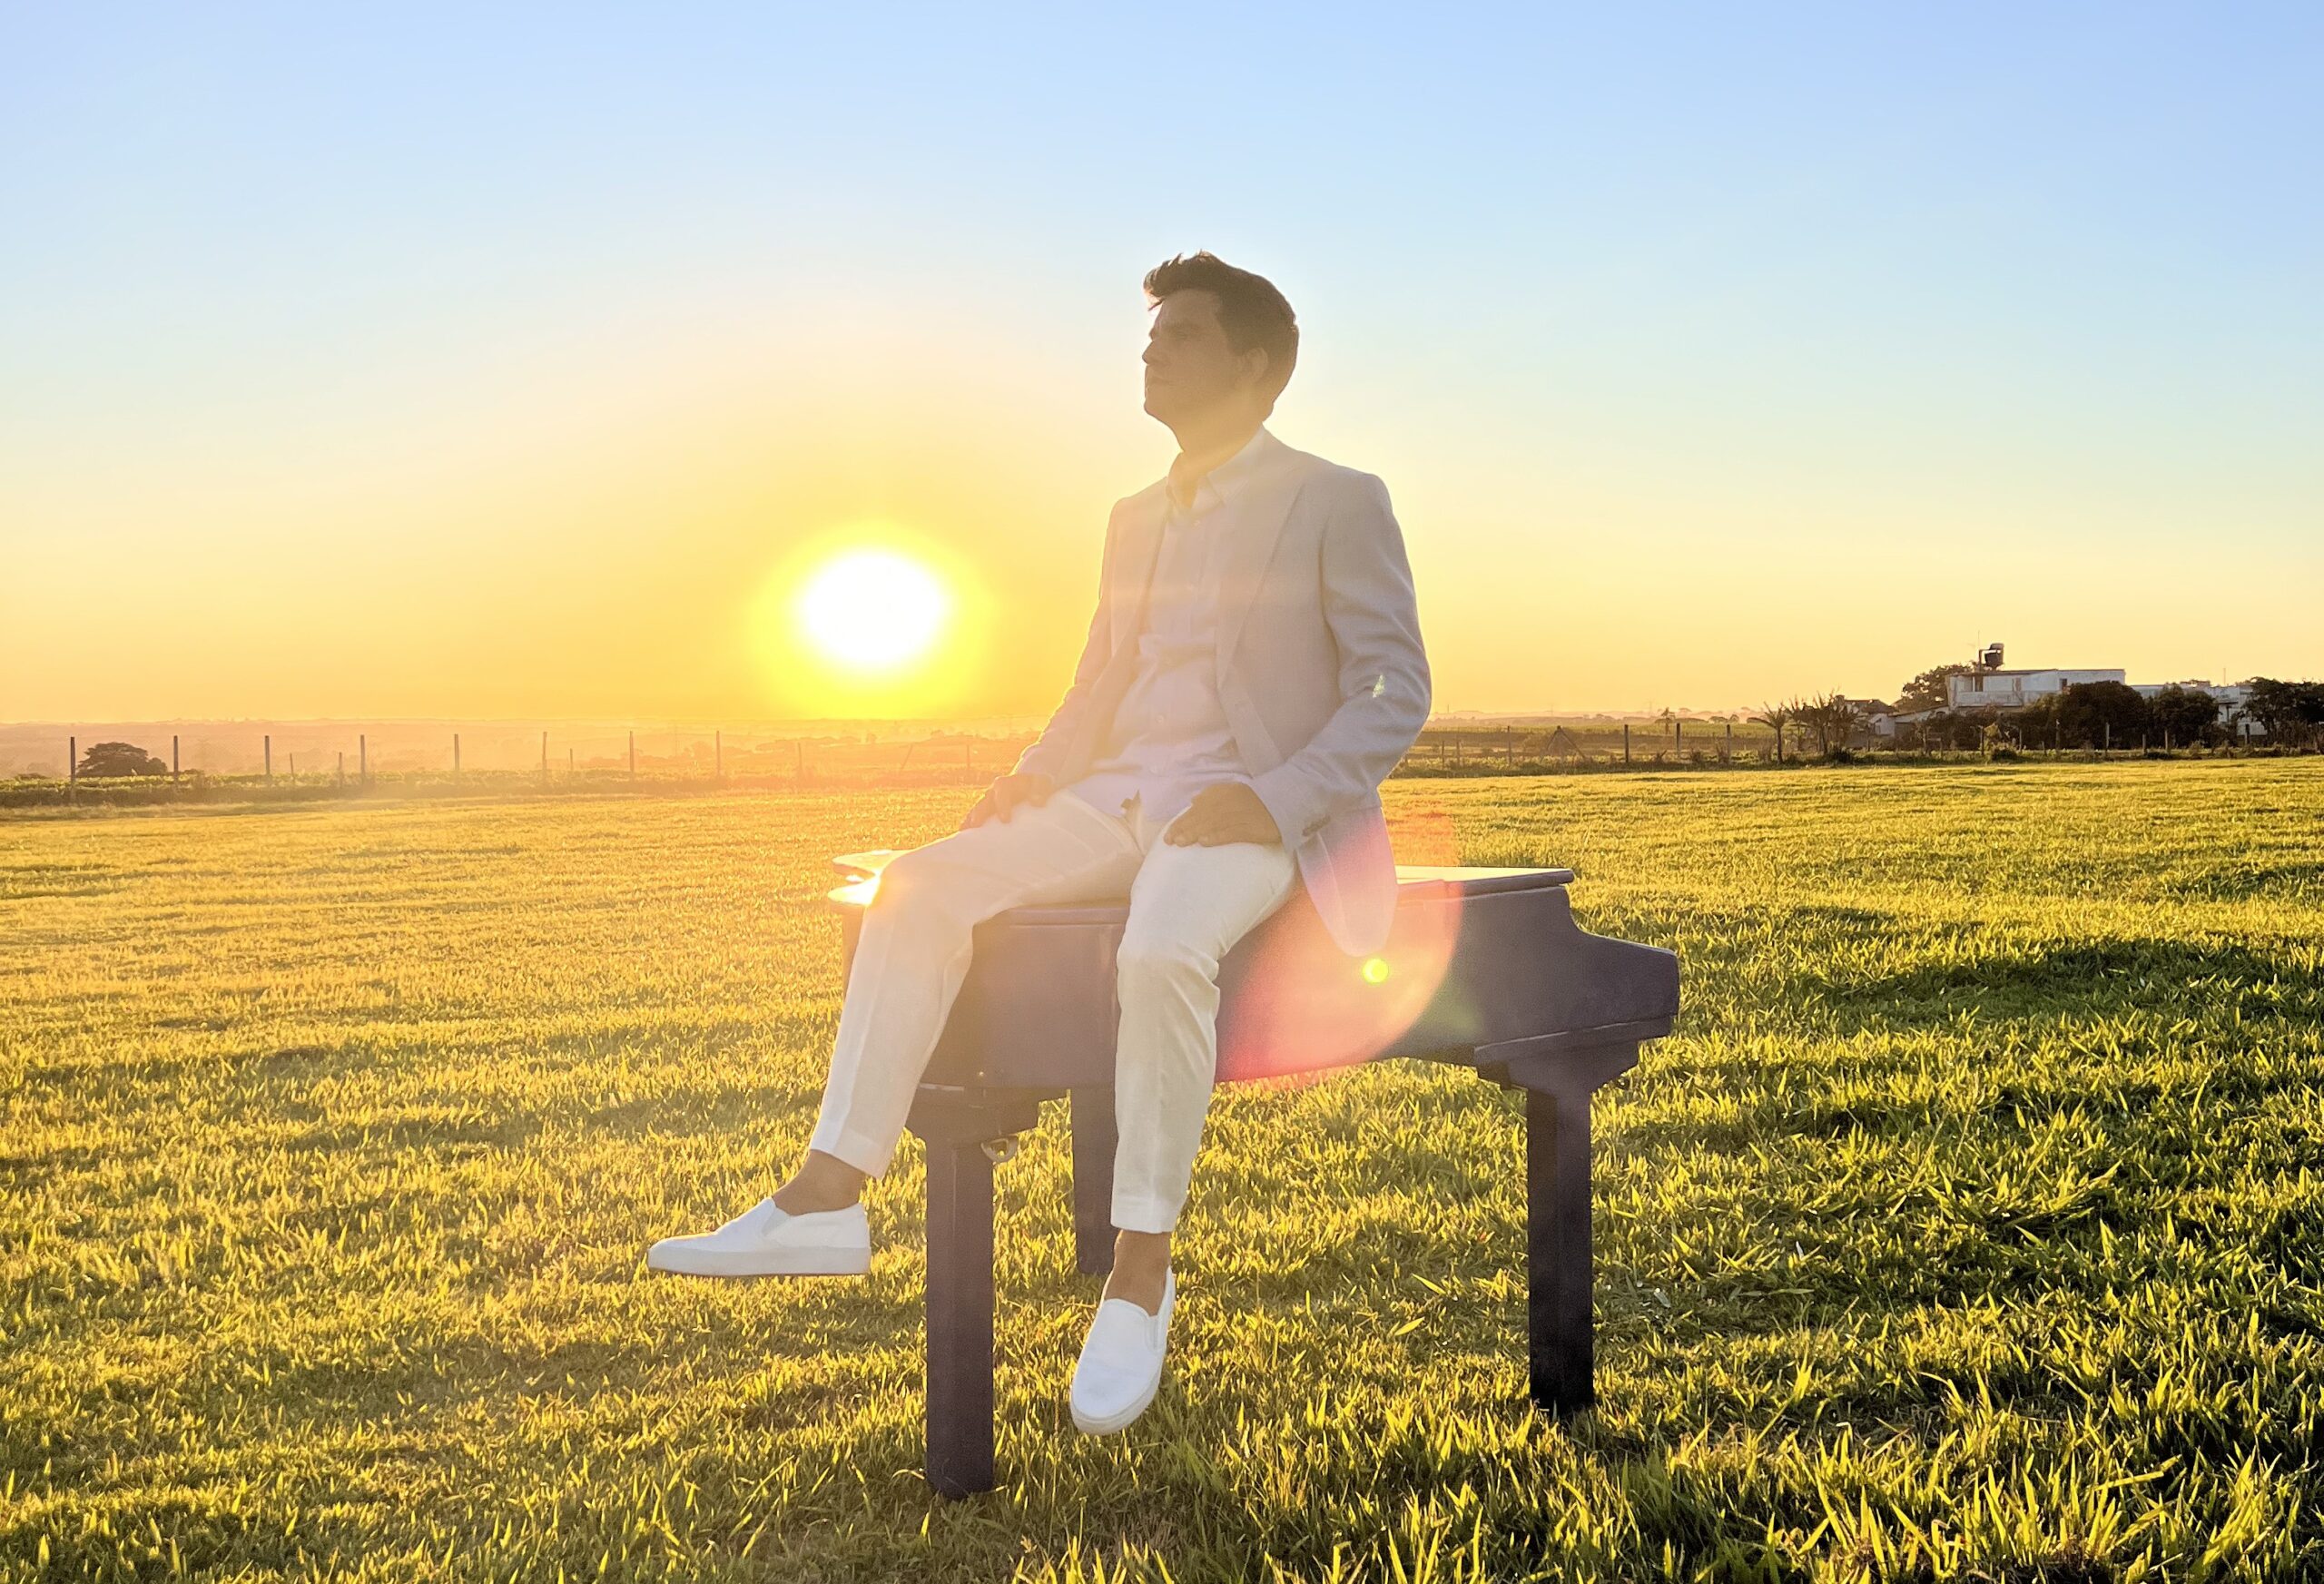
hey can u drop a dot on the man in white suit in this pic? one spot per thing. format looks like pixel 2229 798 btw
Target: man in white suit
pixel 1253 673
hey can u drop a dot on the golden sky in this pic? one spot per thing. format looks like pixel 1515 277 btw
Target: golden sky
pixel 347 377
pixel 616 524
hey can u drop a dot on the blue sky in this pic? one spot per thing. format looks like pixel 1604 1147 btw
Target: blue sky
pixel 1688 340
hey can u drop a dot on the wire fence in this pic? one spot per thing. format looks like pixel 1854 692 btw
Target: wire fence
pixel 322 761
pixel 1582 744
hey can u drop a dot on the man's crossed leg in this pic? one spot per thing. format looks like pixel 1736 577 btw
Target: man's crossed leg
pixel 1189 904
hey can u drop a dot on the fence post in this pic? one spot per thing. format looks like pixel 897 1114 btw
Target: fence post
pixel 173 759
pixel 363 758
pixel 1626 742
pixel 1727 749
pixel 268 739
pixel 456 758
pixel 343 767
pixel 1508 745
pixel 72 769
pixel 568 764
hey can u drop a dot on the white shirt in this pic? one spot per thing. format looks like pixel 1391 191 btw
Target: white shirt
pixel 1169 737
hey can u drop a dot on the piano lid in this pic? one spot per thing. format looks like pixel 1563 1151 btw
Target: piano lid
pixel 1467 880
pixel 1478 881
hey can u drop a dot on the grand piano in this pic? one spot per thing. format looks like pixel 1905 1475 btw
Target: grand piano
pixel 1483 968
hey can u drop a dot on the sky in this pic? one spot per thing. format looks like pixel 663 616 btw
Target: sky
pixel 520 360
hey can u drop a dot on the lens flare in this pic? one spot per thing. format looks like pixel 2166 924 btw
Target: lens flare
pixel 1298 1006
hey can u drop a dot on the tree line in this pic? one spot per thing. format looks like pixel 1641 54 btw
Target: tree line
pixel 2084 715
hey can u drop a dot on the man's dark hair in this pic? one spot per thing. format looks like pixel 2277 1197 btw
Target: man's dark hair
pixel 1251 311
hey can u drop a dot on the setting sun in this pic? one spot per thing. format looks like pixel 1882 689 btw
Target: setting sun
pixel 873 609
pixel 870 619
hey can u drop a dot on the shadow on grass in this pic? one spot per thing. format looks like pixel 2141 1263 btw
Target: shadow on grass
pixel 2077 979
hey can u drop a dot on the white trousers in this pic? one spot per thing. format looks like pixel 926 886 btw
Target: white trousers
pixel 1187 905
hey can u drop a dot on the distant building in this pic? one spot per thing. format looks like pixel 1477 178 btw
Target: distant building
pixel 2231 696
pixel 1999 689
pixel 1875 718
pixel 2014 688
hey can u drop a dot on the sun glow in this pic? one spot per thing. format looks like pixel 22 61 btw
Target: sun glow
pixel 873 609
pixel 871 619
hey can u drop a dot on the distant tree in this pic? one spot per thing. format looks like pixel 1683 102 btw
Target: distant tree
pixel 1831 717
pixel 2183 716
pixel 1934 730
pixel 1848 718
pixel 2088 713
pixel 1948 729
pixel 2037 723
pixel 1776 717
pixel 103 759
pixel 1805 721
pixel 2288 712
pixel 2272 703
pixel 1926 691
pixel 1978 728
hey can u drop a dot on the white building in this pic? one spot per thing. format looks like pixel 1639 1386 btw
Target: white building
pixel 2003 689
pixel 2231 696
pixel 1875 719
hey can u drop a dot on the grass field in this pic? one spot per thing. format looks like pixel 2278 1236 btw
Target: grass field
pixel 1971 1226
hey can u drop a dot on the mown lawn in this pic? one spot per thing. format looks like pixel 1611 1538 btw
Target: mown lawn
pixel 1972 1225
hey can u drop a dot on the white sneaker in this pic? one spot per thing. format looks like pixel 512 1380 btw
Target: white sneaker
pixel 766 1240
pixel 1121 1360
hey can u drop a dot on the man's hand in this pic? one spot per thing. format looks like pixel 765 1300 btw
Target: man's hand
pixel 1004 795
pixel 1228 811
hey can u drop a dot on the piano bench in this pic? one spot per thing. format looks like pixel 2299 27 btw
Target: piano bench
pixel 1485 968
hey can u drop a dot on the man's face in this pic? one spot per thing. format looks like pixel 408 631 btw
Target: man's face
pixel 1191 369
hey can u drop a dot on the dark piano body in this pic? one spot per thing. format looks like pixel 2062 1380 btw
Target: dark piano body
pixel 1485 968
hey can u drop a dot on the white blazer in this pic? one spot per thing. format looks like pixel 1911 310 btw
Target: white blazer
pixel 1320 668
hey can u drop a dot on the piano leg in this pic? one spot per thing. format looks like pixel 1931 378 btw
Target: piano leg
pixel 1558 1082
pixel 1094 1135
pixel 957 1125
pixel 960 1319
pixel 1560 1345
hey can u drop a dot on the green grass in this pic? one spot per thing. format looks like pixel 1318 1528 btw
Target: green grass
pixel 1971 1226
